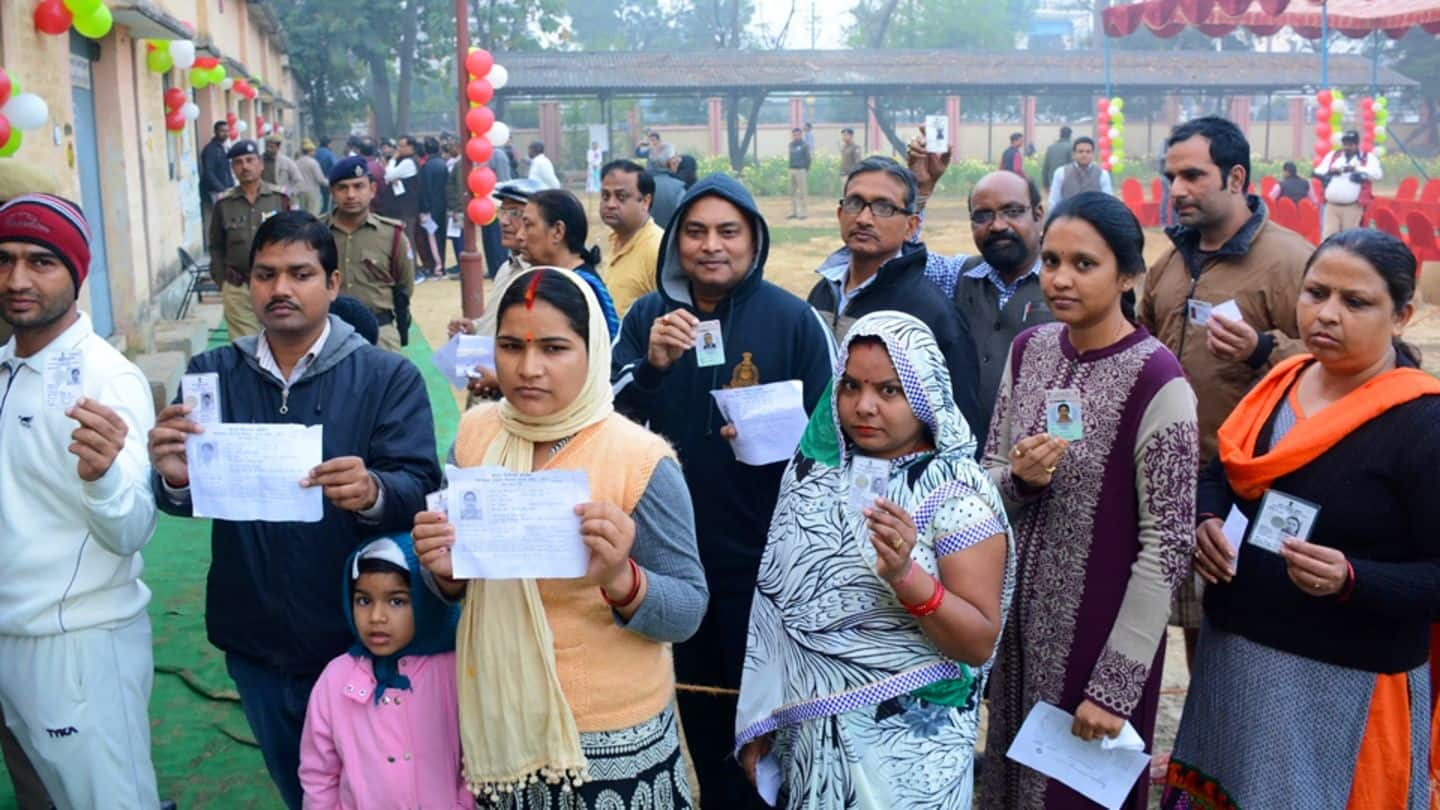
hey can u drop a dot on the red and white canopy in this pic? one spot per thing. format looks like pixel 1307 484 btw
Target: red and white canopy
pixel 1217 18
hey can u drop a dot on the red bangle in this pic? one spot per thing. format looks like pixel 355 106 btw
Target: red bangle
pixel 931 605
pixel 1349 586
pixel 634 588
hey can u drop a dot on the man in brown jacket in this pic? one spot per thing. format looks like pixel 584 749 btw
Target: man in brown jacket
pixel 1225 248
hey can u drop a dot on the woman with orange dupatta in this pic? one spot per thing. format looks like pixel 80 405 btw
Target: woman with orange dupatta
pixel 1311 680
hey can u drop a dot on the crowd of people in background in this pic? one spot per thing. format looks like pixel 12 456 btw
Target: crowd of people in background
pixel 1069 443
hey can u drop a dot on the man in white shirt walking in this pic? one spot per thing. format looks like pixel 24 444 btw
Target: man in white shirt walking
pixel 76 665
pixel 541 169
pixel 1347 174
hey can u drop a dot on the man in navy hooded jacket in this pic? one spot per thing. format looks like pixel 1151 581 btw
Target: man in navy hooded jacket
pixel 711 269
pixel 273 596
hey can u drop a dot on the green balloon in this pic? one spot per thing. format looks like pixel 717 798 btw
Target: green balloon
pixel 82 8
pixel 199 78
pixel 1381 136
pixel 1117 152
pixel 1116 117
pixel 1117 144
pixel 1116 105
pixel 1118 167
pixel 217 74
pixel 159 61
pixel 95 25
pixel 11 146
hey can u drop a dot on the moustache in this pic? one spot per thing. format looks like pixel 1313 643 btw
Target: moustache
pixel 999 239
pixel 277 302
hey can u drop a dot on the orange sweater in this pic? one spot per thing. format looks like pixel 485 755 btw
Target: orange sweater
pixel 612 678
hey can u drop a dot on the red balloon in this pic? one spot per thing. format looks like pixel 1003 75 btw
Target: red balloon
pixel 1322 148
pixel 5 86
pixel 4 130
pixel 479 150
pixel 175 121
pixel 481 181
pixel 1368 116
pixel 480 210
pixel 1102 105
pixel 479 120
pixel 1104 143
pixel 1322 131
pixel 230 119
pixel 479 91
pixel 52 18
pixel 479 62
pixel 1323 98
pixel 1367 145
pixel 1367 104
pixel 174 98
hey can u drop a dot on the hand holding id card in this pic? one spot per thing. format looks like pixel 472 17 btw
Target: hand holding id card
pixel 202 393
pixel 63 386
pixel 709 345
pixel 1281 516
pixel 1064 414
pixel 868 478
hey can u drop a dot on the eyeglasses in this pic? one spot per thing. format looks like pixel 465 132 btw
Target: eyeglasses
pixel 880 208
pixel 512 213
pixel 1012 213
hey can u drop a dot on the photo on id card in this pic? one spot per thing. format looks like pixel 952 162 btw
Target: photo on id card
pixel 1281 516
pixel 868 479
pixel 202 393
pixel 709 348
pixel 1198 311
pixel 1064 414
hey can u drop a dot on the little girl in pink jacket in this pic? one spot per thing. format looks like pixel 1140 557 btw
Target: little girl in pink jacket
pixel 382 730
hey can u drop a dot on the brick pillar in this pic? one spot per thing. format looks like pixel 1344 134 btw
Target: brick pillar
pixel 716 109
pixel 952 114
pixel 1298 126
pixel 874 138
pixel 550 131
pixel 1238 111
pixel 797 114
pixel 1027 118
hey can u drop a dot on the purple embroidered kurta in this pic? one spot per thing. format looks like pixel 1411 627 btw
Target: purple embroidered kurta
pixel 1101 549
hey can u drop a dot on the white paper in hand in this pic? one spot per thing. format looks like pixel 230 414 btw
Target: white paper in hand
pixel 1235 525
pixel 1045 743
pixel 769 420
pixel 474 351
pixel 62 379
pixel 1229 310
pixel 937 134
pixel 253 472
pixel 511 525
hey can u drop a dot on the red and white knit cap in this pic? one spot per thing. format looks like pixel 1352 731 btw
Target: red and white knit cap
pixel 51 222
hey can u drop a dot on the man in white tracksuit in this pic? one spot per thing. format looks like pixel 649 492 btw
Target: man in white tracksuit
pixel 75 658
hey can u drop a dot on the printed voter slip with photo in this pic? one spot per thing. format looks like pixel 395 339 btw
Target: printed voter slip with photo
pixel 63 386
pixel 709 347
pixel 937 135
pixel 511 525
pixel 868 477
pixel 1281 516
pixel 202 393
pixel 1064 414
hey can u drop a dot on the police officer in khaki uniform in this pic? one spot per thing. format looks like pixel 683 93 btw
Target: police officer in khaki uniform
pixel 375 255
pixel 238 214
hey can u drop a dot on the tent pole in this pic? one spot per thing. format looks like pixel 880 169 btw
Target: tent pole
pixel 1375 66
pixel 1324 44
pixel 1107 68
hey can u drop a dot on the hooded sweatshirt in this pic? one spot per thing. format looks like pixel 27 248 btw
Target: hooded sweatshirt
pixel 383 732
pixel 272 588
pixel 766 332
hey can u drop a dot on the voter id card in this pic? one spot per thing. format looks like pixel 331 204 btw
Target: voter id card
pixel 436 502
pixel 1281 516
pixel 202 393
pixel 1198 311
pixel 63 386
pixel 1064 414
pixel 709 347
pixel 868 478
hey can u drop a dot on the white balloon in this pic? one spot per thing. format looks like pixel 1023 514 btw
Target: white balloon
pixel 182 51
pixel 267 128
pixel 190 110
pixel 1380 151
pixel 242 127
pixel 26 111
pixel 499 133
pixel 227 83
pixel 1114 133
pixel 498 76
pixel 1337 106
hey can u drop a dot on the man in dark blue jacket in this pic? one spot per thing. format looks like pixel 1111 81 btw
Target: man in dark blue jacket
pixel 711 269
pixel 273 597
pixel 880 268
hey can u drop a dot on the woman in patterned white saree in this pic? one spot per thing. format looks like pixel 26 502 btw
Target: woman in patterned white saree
pixel 1104 519
pixel 875 619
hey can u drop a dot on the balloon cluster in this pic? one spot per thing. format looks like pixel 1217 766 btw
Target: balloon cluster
pixel 206 71
pixel 262 127
pixel 242 88
pixel 1110 132
pixel 1374 115
pixel 91 18
pixel 1329 121
pixel 18 111
pixel 179 109
pixel 485 132
pixel 238 128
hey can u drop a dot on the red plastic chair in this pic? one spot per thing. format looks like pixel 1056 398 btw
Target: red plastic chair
pixel 1420 235
pixel 1267 185
pixel 1284 213
pixel 1409 187
pixel 1385 220
pixel 1431 194
pixel 1134 196
pixel 1307 223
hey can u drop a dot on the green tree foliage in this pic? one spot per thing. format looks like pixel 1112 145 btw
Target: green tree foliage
pixel 969 24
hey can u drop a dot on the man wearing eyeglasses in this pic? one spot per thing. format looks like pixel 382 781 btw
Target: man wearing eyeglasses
pixel 882 268
pixel 998 291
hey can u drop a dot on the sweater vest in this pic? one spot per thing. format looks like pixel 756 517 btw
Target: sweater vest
pixel 611 678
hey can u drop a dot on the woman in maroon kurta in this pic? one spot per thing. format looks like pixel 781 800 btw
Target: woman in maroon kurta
pixel 1103 522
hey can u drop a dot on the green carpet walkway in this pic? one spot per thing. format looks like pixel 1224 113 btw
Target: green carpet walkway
pixel 203 750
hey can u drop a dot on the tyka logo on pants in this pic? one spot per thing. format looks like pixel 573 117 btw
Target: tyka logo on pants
pixel 62 732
